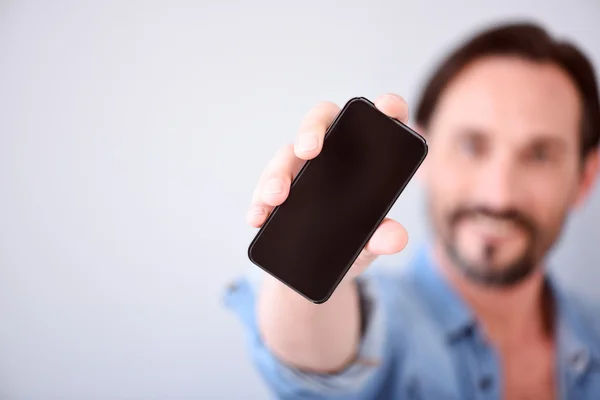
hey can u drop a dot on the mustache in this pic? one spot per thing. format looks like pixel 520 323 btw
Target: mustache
pixel 512 215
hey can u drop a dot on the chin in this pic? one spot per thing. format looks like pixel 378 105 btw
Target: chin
pixel 488 273
pixel 500 278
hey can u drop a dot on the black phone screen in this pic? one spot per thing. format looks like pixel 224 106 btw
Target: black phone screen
pixel 337 200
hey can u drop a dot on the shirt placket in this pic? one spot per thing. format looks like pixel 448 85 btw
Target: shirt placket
pixel 487 377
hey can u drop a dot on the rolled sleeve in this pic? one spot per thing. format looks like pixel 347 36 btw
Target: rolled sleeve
pixel 358 380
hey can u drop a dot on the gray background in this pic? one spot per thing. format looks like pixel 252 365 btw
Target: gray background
pixel 131 136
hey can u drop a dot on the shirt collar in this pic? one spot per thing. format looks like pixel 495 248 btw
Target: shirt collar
pixel 442 301
pixel 575 341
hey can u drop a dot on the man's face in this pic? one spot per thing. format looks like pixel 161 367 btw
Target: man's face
pixel 504 165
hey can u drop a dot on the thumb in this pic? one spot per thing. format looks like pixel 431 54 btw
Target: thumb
pixel 389 238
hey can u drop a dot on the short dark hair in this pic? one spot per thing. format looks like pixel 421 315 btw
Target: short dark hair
pixel 531 42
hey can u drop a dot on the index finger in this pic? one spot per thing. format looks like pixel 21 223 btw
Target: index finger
pixel 314 125
pixel 312 130
pixel 393 106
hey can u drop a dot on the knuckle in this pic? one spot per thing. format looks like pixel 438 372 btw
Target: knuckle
pixel 394 96
pixel 327 105
pixel 323 110
pixel 287 151
pixel 281 161
pixel 283 153
pixel 365 257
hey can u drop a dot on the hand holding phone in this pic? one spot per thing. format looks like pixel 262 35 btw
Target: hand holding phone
pixel 321 217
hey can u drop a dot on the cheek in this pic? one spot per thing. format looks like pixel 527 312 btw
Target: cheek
pixel 548 215
pixel 446 181
pixel 550 211
pixel 549 200
pixel 446 187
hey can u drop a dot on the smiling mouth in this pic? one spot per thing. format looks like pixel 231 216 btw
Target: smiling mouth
pixel 495 226
pixel 494 230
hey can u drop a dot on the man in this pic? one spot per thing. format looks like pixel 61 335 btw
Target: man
pixel 512 120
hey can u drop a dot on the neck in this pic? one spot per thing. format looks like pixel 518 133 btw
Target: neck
pixel 507 314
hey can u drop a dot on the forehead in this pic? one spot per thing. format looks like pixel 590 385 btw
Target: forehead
pixel 512 96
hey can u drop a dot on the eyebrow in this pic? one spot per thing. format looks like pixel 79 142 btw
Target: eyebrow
pixel 472 132
pixel 548 140
pixel 539 139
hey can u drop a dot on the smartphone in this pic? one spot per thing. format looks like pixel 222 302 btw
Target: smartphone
pixel 337 200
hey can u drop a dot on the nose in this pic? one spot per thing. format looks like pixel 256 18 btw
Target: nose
pixel 498 184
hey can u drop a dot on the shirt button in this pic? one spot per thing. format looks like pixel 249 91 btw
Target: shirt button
pixel 233 286
pixel 579 361
pixel 485 383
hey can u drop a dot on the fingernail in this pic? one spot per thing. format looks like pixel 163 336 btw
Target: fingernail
pixel 274 186
pixel 390 97
pixel 307 142
pixel 257 210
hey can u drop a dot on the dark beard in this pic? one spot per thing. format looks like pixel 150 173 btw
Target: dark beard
pixel 509 276
pixel 484 273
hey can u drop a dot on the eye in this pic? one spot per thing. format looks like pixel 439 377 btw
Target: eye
pixel 472 146
pixel 540 154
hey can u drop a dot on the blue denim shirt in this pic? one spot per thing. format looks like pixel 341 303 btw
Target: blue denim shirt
pixel 421 341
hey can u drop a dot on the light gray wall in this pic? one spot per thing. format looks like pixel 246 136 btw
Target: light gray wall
pixel 131 136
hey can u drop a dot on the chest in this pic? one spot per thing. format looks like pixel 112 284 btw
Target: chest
pixel 435 370
pixel 528 372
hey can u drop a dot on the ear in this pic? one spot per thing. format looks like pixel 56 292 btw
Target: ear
pixel 591 168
